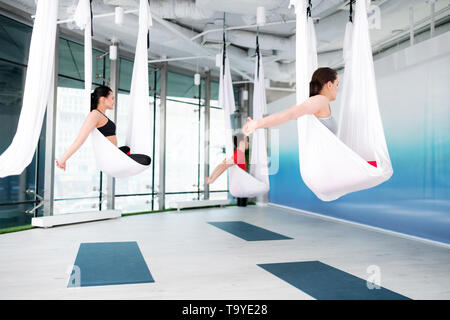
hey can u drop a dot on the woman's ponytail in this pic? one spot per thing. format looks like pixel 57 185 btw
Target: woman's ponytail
pixel 314 88
pixel 93 104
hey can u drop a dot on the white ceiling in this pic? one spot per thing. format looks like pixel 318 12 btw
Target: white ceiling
pixel 177 21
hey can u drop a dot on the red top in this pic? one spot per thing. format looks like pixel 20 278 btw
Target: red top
pixel 239 159
pixel 374 163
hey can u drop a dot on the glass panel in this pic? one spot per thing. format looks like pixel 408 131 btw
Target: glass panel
pixel 64 82
pixel 40 151
pixel 181 86
pixel 141 183
pixel 170 198
pixel 14 215
pixel 214 91
pixel 12 79
pixel 81 178
pixel 218 195
pixel 82 204
pixel 15 39
pixel 182 145
pixel 78 188
pixel 134 204
pixel 125 74
pixel 217 146
pixel 156 158
pixel 107 70
pixel 71 63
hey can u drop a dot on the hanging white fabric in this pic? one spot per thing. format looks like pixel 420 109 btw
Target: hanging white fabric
pixel 258 155
pixel 38 85
pixel 110 159
pixel 312 47
pixel 139 126
pixel 330 167
pixel 240 183
pixel 359 107
pixel 347 47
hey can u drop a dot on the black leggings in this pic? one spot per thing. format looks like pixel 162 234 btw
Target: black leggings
pixel 139 158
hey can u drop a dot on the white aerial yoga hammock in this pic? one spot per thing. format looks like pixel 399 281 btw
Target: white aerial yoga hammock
pixel 334 166
pixel 240 183
pixel 109 158
pixel 259 168
pixel 38 85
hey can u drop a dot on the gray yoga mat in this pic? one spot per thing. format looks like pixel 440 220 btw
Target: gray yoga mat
pixel 248 231
pixel 109 263
pixel 324 282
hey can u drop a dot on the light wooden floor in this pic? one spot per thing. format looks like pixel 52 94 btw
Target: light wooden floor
pixel 191 259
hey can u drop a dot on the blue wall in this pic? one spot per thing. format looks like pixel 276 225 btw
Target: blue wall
pixel 413 89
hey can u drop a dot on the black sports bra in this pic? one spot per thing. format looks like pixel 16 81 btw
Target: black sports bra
pixel 109 129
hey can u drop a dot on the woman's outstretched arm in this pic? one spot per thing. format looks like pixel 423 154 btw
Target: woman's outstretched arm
pixel 89 124
pixel 310 106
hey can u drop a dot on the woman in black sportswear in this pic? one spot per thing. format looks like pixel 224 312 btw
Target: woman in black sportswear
pixel 102 99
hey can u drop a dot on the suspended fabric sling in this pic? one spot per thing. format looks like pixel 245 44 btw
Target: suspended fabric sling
pixel 334 166
pixel 38 85
pixel 259 168
pixel 110 159
pixel 240 183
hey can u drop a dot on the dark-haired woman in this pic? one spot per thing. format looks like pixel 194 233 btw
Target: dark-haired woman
pixel 240 142
pixel 102 99
pixel 323 88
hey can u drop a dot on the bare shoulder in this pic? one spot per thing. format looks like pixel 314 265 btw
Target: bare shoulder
pixel 320 99
pixel 315 104
pixel 93 116
pixel 94 113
